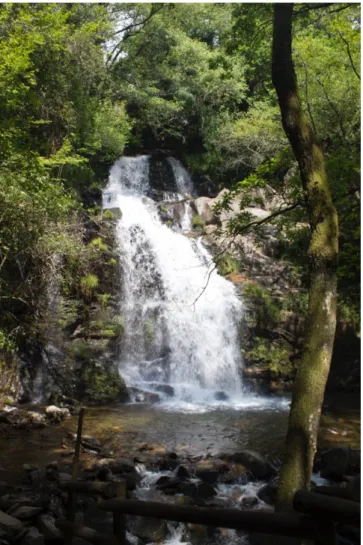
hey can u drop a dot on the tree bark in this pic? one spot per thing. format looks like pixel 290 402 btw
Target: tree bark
pixel 314 366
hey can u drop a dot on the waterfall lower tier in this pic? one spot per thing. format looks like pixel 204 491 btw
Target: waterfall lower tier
pixel 180 317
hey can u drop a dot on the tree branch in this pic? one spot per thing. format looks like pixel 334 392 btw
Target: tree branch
pixel 349 54
pixel 272 216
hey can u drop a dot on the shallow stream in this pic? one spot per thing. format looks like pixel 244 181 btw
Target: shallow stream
pixel 125 429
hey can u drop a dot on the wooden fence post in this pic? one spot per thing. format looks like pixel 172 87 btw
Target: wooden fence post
pixel 119 519
pixel 71 506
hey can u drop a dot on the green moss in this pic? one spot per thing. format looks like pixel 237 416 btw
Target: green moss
pixel 99 244
pixel 163 209
pixel 197 223
pixel 169 223
pixel 80 349
pixel 103 385
pixel 272 355
pixel 227 264
pixel 107 215
pixel 266 310
pixel 88 284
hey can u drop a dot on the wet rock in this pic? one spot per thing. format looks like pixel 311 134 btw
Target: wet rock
pixel 20 418
pixel 33 537
pixel 11 526
pixel 46 526
pixel 162 481
pixel 247 502
pixel 168 463
pixel 122 465
pixel 52 465
pixel 203 207
pixel 268 493
pixel 335 463
pixel 165 389
pixel 198 491
pixel 209 476
pixel 221 396
pixel 26 512
pixel 143 396
pixel 235 473
pixel 64 477
pixel 256 464
pixel 8 501
pixel 150 530
pixel 55 414
pixel 37 476
pixel 104 474
pixel 170 486
pixel 91 443
pixel 182 472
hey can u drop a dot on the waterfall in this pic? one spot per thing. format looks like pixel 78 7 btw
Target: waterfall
pixel 180 316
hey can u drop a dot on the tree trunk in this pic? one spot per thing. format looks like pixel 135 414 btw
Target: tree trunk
pixel 314 366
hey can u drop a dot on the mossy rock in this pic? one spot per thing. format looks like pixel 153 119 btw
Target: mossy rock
pixel 102 384
pixel 197 223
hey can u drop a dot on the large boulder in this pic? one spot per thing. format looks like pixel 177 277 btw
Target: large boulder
pixel 11 526
pixel 337 462
pixel 256 464
pixel 150 530
pixel 55 415
pixel 203 206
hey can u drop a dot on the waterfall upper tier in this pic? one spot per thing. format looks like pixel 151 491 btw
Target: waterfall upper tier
pixel 180 317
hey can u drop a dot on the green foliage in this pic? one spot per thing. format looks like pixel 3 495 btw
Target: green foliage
pixel 226 264
pixel 103 299
pixel 102 385
pixel 88 284
pixel 267 309
pixel 275 356
pixel 107 215
pixel 197 223
pixel 99 244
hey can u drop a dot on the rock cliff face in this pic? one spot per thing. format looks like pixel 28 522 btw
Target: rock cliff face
pixel 76 354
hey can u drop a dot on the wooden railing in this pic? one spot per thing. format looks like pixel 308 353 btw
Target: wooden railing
pixel 315 517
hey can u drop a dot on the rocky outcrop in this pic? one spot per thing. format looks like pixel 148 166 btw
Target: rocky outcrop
pixel 82 325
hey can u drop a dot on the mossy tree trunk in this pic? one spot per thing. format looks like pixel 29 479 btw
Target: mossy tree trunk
pixel 314 366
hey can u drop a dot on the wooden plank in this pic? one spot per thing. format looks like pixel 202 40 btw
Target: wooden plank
pixel 286 524
pixel 335 509
pixel 108 490
pixel 119 519
pixel 88 534
pixel 345 493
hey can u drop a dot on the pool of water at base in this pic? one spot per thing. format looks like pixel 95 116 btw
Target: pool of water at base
pixel 195 431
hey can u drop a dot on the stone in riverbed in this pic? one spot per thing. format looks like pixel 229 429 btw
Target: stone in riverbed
pixel 335 463
pixel 209 476
pixel 150 530
pixel 248 502
pixel 182 472
pixel 46 526
pixel 268 493
pixel 56 414
pixel 11 526
pixel 122 465
pixel 33 537
pixel 256 464
pixel 26 512
pixel 221 396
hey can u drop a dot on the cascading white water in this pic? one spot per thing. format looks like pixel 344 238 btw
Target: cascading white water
pixel 180 316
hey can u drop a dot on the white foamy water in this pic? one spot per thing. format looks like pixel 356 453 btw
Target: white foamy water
pixel 180 316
